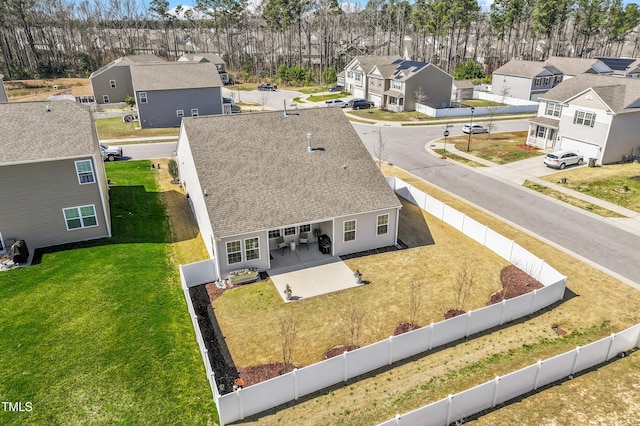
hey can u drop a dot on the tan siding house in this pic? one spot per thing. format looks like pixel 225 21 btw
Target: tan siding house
pixel 252 179
pixel 53 186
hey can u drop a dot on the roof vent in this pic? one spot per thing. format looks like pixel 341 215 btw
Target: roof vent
pixel 309 149
pixel 48 108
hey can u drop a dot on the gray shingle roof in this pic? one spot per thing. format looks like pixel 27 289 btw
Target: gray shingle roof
pixel 577 66
pixel 620 94
pixel 368 62
pixel 31 133
pixel 526 68
pixel 259 174
pixel 202 57
pixel 125 61
pixel 175 75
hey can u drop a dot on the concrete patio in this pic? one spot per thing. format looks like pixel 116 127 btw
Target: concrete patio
pixel 309 272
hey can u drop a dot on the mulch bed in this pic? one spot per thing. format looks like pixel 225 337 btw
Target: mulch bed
pixel 450 313
pixel 338 350
pixel 259 373
pixel 404 327
pixel 399 246
pixel 515 282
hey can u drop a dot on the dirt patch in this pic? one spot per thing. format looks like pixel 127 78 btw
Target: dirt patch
pixel 527 147
pixel 515 282
pixel 259 373
pixel 451 313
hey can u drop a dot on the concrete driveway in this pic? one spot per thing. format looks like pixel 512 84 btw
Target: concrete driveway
pixel 522 170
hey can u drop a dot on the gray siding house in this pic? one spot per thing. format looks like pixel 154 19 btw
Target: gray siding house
pixel 524 79
pixel 402 84
pixel 53 186
pixel 593 115
pixel 356 72
pixel 112 83
pixel 213 58
pixel 253 179
pixel 3 92
pixel 167 92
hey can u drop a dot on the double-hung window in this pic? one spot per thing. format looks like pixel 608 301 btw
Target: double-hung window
pixel 84 169
pixel 252 248
pixel 80 217
pixel 180 113
pixel 349 230
pixel 234 252
pixel 305 228
pixel 553 109
pixel 112 83
pixel 143 97
pixel 194 112
pixel 274 233
pixel 395 84
pixel 291 230
pixel 584 118
pixel 382 224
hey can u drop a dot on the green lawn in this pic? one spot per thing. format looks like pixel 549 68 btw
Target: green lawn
pixel 382 115
pixel 481 103
pixel 98 332
pixel 113 128
pixel 318 98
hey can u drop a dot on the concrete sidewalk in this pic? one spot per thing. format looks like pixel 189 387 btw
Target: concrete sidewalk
pixel 533 169
pixel 135 140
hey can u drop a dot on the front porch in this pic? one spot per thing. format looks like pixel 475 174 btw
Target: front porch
pixel 543 132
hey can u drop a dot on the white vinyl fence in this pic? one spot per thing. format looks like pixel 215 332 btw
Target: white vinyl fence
pixel 513 106
pixel 288 387
pixel 501 389
pixel 194 320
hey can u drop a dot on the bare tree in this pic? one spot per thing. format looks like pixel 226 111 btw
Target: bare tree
pixel 420 96
pixel 264 98
pixel 288 333
pixel 505 92
pixel 491 125
pixel 379 150
pixel 355 318
pixel 463 285
pixel 415 302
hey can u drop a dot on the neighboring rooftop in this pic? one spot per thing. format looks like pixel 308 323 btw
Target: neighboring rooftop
pixel 620 94
pixel 577 66
pixel 36 131
pixel 368 62
pixel 128 61
pixel 259 175
pixel 520 68
pixel 175 75
pixel 202 57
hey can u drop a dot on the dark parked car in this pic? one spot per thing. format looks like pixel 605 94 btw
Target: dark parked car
pixel 336 88
pixel 360 104
pixel 268 87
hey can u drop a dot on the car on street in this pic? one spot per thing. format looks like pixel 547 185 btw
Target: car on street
pixel 360 104
pixel 335 103
pixel 562 158
pixel 476 128
pixel 267 87
pixel 336 88
pixel 110 153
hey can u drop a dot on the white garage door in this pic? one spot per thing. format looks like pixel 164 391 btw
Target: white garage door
pixel 587 150
pixel 377 100
pixel 358 93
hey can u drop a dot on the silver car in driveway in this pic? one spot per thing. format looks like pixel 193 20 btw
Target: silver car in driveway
pixel 562 158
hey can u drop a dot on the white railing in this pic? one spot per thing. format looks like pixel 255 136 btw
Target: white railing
pixel 501 389
pixel 288 387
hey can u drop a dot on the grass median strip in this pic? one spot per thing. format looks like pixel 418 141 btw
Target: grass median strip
pixel 458 158
pixel 585 205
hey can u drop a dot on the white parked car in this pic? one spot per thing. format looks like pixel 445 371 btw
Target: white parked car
pixel 476 128
pixel 562 158
pixel 110 153
pixel 335 103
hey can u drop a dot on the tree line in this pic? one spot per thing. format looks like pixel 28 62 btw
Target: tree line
pixel 50 38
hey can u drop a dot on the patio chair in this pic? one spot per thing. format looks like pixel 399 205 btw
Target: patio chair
pixel 282 245
pixel 304 239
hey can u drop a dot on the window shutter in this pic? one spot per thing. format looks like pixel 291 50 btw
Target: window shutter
pixel 593 119
pixel 575 117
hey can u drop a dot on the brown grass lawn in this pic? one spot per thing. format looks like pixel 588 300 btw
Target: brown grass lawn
pixel 40 90
pixel 501 148
pixel 616 183
pixel 384 302
pixel 596 305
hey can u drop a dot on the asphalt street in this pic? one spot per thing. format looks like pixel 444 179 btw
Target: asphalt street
pixel 594 240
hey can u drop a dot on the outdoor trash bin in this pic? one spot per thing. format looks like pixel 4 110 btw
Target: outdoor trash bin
pixel 592 162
